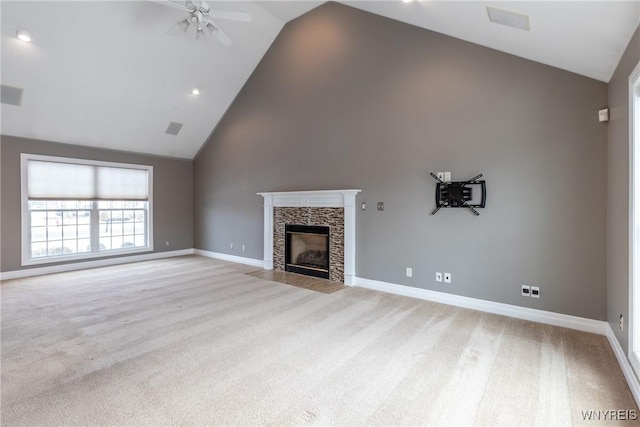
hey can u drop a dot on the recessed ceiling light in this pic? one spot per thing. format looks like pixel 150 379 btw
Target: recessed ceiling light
pixel 23 35
pixel 407 1
pixel 510 19
pixel 195 91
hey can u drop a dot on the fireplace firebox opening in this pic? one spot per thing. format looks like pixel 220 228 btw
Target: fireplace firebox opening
pixel 307 250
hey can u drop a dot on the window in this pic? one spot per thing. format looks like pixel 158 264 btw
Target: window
pixel 75 209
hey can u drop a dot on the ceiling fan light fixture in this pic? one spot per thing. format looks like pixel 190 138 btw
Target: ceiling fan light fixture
pixel 24 35
pixel 200 15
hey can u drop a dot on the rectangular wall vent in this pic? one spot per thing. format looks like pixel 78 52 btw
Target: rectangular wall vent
pixel 510 19
pixel 11 95
pixel 173 128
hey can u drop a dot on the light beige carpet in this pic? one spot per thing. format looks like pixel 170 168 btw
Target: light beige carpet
pixel 194 341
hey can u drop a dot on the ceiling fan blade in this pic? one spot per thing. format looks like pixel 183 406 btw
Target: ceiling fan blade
pixel 230 15
pixel 181 27
pixel 218 33
pixel 184 24
pixel 171 4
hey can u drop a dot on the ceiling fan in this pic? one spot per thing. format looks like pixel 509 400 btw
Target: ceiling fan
pixel 201 16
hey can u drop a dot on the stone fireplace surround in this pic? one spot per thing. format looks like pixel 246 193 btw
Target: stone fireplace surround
pixel 328 217
pixel 312 206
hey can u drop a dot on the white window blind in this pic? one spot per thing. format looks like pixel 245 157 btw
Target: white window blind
pixel 70 181
pixel 121 184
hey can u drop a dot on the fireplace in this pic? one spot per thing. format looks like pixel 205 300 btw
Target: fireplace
pixel 334 209
pixel 307 250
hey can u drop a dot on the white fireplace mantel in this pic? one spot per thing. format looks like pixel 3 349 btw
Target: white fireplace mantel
pixel 315 199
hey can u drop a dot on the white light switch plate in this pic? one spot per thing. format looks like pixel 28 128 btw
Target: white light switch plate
pixel 603 115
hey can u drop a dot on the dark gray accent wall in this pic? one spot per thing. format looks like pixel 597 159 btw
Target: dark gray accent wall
pixel 618 191
pixel 172 193
pixel 347 99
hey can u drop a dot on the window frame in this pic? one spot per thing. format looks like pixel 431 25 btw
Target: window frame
pixel 25 217
pixel 633 351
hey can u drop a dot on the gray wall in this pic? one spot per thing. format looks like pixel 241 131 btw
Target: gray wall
pixel 347 99
pixel 172 193
pixel 618 191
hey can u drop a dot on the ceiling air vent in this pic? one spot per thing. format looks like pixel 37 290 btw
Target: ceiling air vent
pixel 173 128
pixel 11 95
pixel 510 19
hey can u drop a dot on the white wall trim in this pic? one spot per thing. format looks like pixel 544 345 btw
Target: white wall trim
pixel 38 271
pixel 232 258
pixel 525 313
pixel 627 370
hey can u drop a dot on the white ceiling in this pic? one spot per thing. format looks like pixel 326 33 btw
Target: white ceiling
pixel 107 74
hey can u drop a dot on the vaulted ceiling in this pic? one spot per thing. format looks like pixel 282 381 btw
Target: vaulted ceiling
pixel 107 73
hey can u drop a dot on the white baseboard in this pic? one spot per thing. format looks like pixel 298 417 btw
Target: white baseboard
pixel 232 258
pixel 532 314
pixel 623 361
pixel 38 271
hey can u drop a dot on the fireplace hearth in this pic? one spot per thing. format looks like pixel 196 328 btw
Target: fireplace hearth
pixel 307 250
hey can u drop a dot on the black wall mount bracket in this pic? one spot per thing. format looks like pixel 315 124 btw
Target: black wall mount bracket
pixel 459 194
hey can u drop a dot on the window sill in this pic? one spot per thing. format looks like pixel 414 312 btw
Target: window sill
pixel 84 257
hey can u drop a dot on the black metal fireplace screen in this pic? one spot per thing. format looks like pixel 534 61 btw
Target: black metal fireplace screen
pixel 307 250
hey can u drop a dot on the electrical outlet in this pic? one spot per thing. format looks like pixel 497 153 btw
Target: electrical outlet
pixel 242 248
pixel 364 206
pixel 447 177
pixel 535 292
pixel 447 277
pixel 438 276
pixel 380 206
pixel 409 272
pixel 621 322
pixel 166 243
pixel 440 176
pixel 526 290
pixel 231 246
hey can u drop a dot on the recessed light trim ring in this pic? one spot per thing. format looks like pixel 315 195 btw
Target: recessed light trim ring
pixel 24 35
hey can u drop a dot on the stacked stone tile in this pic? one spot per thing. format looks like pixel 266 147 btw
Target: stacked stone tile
pixel 328 217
